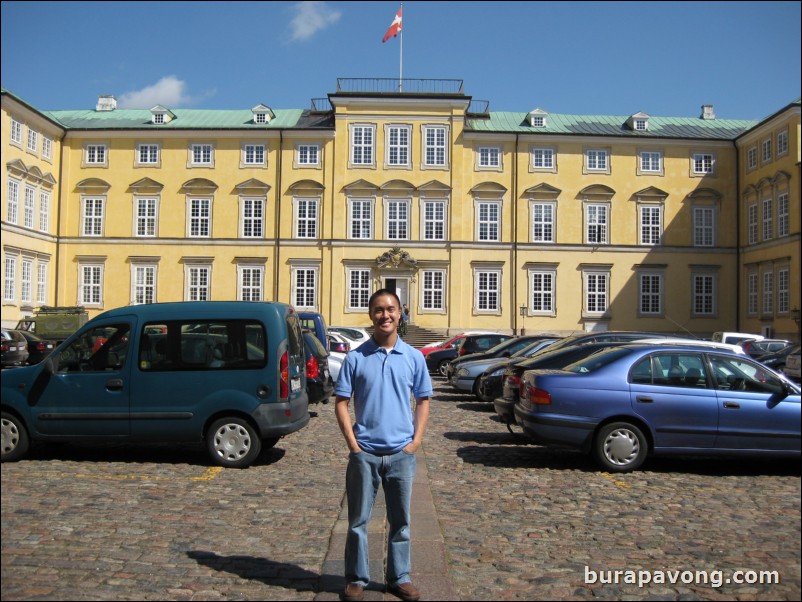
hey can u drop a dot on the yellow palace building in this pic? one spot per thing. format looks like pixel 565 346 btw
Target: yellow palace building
pixel 506 221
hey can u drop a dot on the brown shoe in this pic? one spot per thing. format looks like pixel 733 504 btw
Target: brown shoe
pixel 405 591
pixel 353 593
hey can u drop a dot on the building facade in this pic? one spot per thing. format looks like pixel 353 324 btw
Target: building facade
pixel 514 222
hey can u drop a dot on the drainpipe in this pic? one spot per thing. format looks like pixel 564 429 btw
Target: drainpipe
pixel 737 236
pixel 59 187
pixel 514 271
pixel 278 217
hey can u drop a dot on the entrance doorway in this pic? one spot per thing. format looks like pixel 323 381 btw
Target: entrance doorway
pixel 401 288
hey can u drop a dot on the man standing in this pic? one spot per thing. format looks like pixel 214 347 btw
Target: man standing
pixel 382 375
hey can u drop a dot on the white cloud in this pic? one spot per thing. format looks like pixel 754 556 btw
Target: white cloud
pixel 311 17
pixel 168 91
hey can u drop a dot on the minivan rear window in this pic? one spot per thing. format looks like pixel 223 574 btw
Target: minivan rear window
pixel 203 345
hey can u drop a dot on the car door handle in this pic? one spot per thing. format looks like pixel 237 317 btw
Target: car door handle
pixel 644 399
pixel 114 384
pixel 733 405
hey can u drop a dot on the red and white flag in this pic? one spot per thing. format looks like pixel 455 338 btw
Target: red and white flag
pixel 395 27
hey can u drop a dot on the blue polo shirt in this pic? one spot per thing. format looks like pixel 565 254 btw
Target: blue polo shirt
pixel 381 384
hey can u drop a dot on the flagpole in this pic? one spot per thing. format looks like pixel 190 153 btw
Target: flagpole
pixel 401 57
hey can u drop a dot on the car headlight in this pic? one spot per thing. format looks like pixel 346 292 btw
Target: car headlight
pixel 496 373
pixel 462 372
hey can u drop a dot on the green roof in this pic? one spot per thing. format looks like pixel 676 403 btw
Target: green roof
pixel 185 119
pixel 613 125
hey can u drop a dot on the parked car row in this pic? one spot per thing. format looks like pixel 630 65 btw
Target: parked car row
pixel 20 347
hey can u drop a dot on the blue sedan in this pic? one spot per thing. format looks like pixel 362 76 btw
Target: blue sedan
pixel 625 403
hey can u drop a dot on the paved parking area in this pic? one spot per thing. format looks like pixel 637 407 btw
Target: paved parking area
pixel 518 521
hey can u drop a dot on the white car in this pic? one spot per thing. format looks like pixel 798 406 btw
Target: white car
pixel 696 343
pixel 792 369
pixel 356 336
pixel 335 363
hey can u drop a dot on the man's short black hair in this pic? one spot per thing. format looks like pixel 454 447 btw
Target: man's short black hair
pixel 381 292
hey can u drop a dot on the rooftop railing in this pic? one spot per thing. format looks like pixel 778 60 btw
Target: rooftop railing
pixel 389 85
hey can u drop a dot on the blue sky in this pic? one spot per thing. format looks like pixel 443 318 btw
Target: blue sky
pixel 611 58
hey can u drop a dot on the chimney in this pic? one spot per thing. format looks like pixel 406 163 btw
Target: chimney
pixel 106 103
pixel 707 112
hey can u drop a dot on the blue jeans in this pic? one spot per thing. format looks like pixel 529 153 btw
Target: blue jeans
pixel 395 472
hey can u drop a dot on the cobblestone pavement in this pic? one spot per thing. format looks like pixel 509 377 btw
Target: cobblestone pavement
pixel 519 522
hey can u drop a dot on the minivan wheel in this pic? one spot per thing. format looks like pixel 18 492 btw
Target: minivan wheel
pixel 14 438
pixel 233 443
pixel 620 447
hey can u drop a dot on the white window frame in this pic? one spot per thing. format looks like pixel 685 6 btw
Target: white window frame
pixel 398 145
pixel 765 151
pixel 544 222
pixel 435 139
pixel 542 292
pixel 543 159
pixel 26 282
pixel 433 290
pixel 10 278
pixel 44 210
pixel 42 273
pixel 650 231
pixel 360 226
pixel 144 281
pixel 651 290
pixel 148 154
pixel 360 282
pixel 397 213
pixel 783 215
pixel 596 292
pixel 751 158
pixel 47 147
pixel 597 160
pixel 489 158
pixel 704 226
pixel 487 290
pixel 12 200
pixel 307 155
pixel 488 220
pixel 197 282
pixel 93 216
pixel 305 284
pixel 783 290
pixel 767 306
pixel 306 217
pixel 16 132
pixel 752 291
pixel 767 210
pixel 252 217
pixel 752 227
pixel 146 217
pixel 254 154
pixel 434 219
pixel 597 224
pixel 704 294
pixel 201 154
pixel 96 155
pixel 782 142
pixel 29 206
pixel 703 164
pixel 33 140
pixel 250 282
pixel 362 145
pixel 90 284
pixel 198 224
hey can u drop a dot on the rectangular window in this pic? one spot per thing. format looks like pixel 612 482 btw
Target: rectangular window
pixel 543 222
pixel 16 131
pixel 306 218
pixel 489 156
pixel 596 227
pixel 651 225
pixel 783 217
pixel 434 289
pixel 768 220
pixel 144 285
pixel 359 289
pixel 305 288
pixel 542 300
pixel 44 211
pixel 47 147
pixel 702 163
pixel 308 154
pixel 361 219
pixel 148 154
pixel 543 158
pixel 398 145
pixel 752 227
pixel 488 291
pixel 33 140
pixel 41 282
pixel 703 226
pixel 397 220
pixel 362 145
pixel 651 294
pixel 250 283
pixel 650 162
pixel 254 154
pixel 12 201
pixel 751 158
pixel 765 150
pixel 596 160
pixel 434 220
pixel 26 282
pixel 201 154
pixel 96 154
pixel 93 217
pixel 435 154
pixel 198 283
pixel 253 218
pixel 703 295
pixel 596 292
pixel 200 217
pixel 782 142
pixel 489 221
pixel 146 216
pixel 91 285
pixel 10 279
pixel 29 207
pixel 768 294
pixel 751 294
pixel 783 282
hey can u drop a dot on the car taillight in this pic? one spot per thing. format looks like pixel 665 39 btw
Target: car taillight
pixel 537 396
pixel 284 368
pixel 41 346
pixel 4 346
pixel 462 351
pixel 312 368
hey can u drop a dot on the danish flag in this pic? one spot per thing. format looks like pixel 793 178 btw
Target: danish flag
pixel 395 27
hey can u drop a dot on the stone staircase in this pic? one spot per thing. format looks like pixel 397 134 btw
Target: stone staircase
pixel 419 337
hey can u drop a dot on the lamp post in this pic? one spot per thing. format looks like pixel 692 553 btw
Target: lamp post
pixel 523 317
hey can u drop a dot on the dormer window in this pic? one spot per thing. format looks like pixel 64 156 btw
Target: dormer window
pixel 537 118
pixel 262 114
pixel 639 122
pixel 158 118
pixel 161 115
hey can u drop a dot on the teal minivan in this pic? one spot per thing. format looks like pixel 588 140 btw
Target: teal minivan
pixel 228 373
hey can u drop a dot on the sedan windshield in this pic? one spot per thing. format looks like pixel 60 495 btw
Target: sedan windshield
pixel 598 360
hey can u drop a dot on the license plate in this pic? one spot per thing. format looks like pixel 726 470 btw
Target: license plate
pixel 295 384
pixel 50 346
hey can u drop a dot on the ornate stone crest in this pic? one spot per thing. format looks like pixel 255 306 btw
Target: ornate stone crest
pixel 396 258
